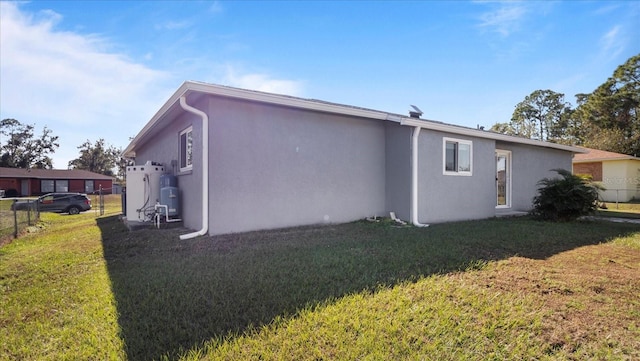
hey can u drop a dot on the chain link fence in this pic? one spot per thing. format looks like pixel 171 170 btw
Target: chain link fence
pixel 620 195
pixel 14 220
pixel 106 201
pixel 18 214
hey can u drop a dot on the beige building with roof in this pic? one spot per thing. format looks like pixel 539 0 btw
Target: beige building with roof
pixel 618 173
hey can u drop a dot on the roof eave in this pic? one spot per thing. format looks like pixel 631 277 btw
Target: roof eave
pixel 487 134
pixel 604 159
pixel 288 101
pixel 284 100
pixel 237 93
pixel 129 151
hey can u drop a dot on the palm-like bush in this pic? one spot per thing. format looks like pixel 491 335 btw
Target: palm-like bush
pixel 566 198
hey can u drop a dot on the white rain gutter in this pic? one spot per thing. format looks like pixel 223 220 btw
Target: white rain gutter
pixel 205 168
pixel 414 178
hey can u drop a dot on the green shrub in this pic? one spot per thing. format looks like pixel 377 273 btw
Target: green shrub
pixel 565 199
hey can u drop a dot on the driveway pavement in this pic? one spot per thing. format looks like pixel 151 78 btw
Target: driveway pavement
pixel 614 219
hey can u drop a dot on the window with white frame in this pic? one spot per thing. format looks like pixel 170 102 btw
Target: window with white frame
pixel 186 149
pixel 457 156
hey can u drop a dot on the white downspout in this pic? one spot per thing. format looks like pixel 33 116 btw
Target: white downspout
pixel 414 178
pixel 205 169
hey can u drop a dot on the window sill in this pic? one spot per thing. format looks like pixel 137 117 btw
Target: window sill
pixel 458 174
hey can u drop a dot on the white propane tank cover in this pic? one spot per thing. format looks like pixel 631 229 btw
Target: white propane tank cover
pixel 143 189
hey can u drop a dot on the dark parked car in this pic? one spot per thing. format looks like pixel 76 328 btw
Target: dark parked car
pixel 72 203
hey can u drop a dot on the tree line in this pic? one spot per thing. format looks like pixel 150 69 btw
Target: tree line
pixel 22 148
pixel 606 119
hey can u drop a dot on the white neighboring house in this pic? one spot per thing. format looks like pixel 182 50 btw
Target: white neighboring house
pixel 618 173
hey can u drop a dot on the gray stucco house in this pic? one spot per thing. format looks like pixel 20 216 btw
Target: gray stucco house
pixel 248 160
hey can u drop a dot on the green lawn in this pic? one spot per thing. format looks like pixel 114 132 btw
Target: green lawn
pixel 8 219
pixel 626 210
pixel 86 288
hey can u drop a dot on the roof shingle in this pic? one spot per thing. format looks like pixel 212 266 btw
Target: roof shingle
pixel 600 155
pixel 50 174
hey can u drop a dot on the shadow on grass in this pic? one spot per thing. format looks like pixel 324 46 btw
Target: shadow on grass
pixel 175 295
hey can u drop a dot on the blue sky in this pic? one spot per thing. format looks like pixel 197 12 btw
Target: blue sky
pixel 101 69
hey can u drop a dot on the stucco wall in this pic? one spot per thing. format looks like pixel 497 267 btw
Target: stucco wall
pixel 529 165
pixel 454 197
pixel 273 166
pixel 276 167
pixel 164 148
pixel 398 173
pixel 621 178
pixel 633 178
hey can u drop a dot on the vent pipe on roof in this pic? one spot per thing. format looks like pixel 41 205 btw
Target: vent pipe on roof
pixel 415 113
pixel 205 168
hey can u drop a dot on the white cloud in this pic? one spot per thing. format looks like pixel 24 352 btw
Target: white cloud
pixel 173 25
pixel 607 9
pixel 262 82
pixel 216 8
pixel 67 80
pixel 568 83
pixel 612 42
pixel 505 19
pixel 81 88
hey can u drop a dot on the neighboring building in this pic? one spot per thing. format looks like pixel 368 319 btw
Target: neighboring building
pixel 35 182
pixel 618 173
pixel 248 160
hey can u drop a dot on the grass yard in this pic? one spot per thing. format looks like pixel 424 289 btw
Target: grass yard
pixel 86 288
pixel 626 210
pixel 7 221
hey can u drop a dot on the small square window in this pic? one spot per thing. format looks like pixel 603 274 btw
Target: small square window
pixel 186 149
pixel 457 157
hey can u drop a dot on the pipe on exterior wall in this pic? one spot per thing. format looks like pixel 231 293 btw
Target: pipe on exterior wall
pixel 158 215
pixel 205 168
pixel 414 178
